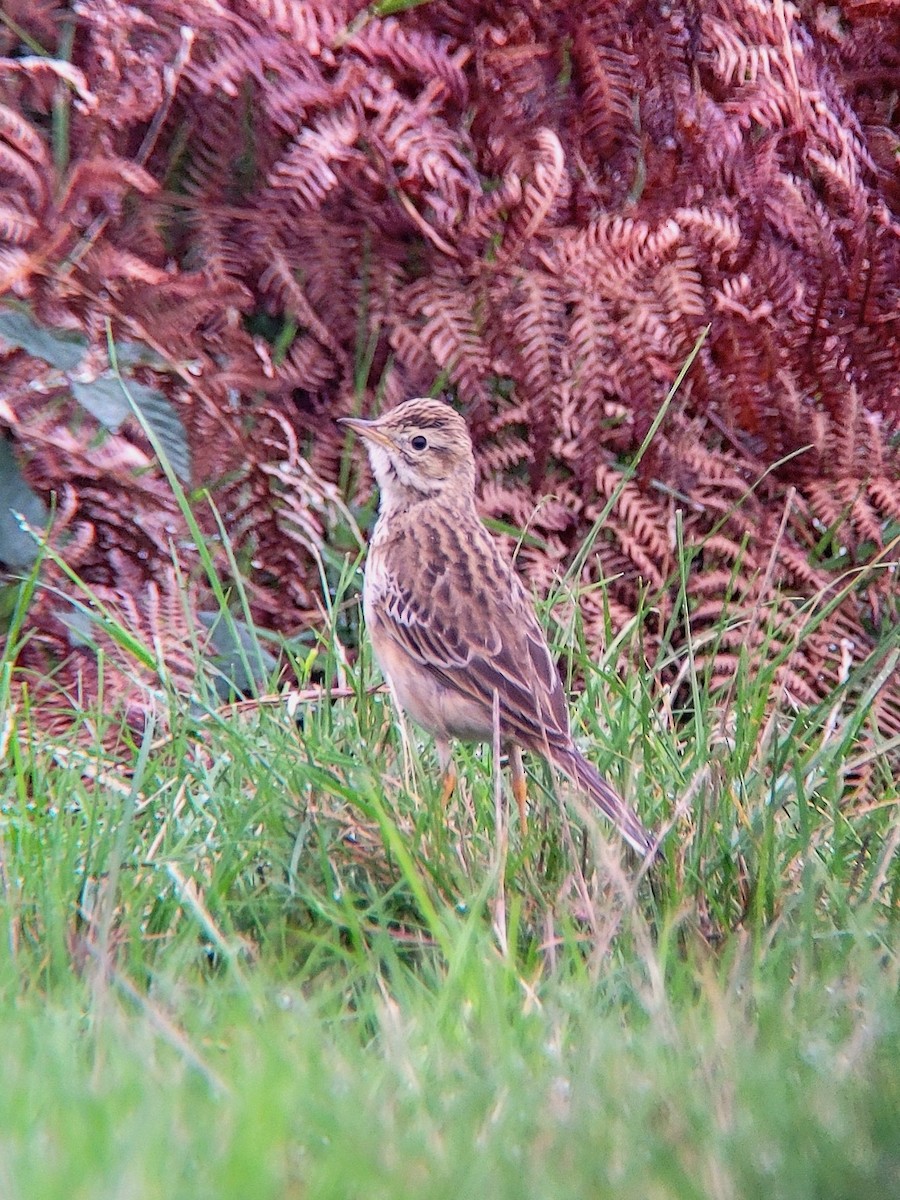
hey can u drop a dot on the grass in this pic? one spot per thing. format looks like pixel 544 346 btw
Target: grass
pixel 258 959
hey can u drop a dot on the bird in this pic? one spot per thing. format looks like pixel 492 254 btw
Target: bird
pixel 451 624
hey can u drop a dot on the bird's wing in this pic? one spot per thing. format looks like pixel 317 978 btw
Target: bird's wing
pixel 454 604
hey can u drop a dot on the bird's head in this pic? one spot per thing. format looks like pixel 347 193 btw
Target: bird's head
pixel 421 448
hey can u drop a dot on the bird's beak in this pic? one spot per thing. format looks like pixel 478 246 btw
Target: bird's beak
pixel 370 431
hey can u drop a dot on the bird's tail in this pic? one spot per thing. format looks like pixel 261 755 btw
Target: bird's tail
pixel 607 799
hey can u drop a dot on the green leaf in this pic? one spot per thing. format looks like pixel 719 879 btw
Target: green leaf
pixel 244 664
pixel 105 399
pixel 136 354
pixel 80 624
pixel 63 350
pixel 18 549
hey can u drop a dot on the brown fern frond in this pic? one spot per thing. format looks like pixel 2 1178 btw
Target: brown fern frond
pixel 415 368
pixel 279 281
pixel 307 365
pixel 643 523
pixel 16 226
pixel 419 154
pixel 21 137
pixel 413 56
pixel 507 451
pixel 488 212
pixel 605 73
pixel 19 171
pixel 106 179
pixel 313 25
pixel 306 173
pixel 543 186
pixel 445 322
pixel 109 263
pixel 533 318
pixel 885 493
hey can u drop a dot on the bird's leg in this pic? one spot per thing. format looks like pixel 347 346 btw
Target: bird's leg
pixel 448 785
pixel 448 772
pixel 519 785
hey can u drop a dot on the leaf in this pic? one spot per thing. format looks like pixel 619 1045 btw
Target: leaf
pixel 136 354
pixel 61 350
pixel 105 398
pixel 243 665
pixel 18 549
pixel 80 625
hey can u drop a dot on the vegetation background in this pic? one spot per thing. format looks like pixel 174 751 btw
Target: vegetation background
pixel 244 951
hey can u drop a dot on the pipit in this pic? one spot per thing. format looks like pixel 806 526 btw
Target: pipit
pixel 450 622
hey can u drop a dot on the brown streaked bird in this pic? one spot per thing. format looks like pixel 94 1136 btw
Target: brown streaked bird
pixel 450 622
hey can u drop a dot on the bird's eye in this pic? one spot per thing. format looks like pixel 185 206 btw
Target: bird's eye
pixel 419 442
